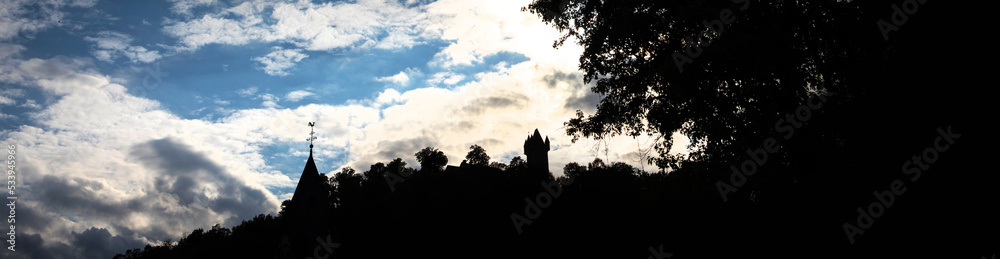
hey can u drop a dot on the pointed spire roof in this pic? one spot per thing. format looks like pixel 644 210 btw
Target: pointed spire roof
pixel 310 166
pixel 310 176
pixel 309 181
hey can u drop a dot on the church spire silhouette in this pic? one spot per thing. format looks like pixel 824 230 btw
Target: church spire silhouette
pixel 309 215
pixel 309 174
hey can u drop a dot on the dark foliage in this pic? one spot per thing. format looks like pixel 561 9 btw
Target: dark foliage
pixel 431 159
pixel 477 156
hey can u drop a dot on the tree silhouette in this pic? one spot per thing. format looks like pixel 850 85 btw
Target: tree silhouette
pixel 597 164
pixel 498 165
pixel 431 159
pixel 574 170
pixel 347 186
pixel 286 206
pixel 669 66
pixel 375 172
pixel 477 156
pixel 398 167
pixel 517 167
pixel 375 183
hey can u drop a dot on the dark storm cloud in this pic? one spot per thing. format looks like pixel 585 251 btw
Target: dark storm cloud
pixel 69 197
pixel 404 148
pixel 489 142
pixel 178 199
pixel 552 80
pixel 99 243
pixel 66 196
pixel 30 219
pixel 464 125
pixel 585 100
pixel 582 98
pixel 187 174
pixel 32 246
pixel 505 99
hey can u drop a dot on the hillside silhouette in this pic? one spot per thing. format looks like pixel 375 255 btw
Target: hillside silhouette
pixel 803 116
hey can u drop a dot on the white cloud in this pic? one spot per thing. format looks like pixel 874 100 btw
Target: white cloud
pixel 497 109
pixel 8 50
pixel 447 78
pixel 389 96
pixel 326 26
pixel 400 79
pixel 82 3
pixel 295 96
pixel 6 101
pixel 280 60
pixel 483 28
pixel 247 92
pixel 7 95
pixel 208 30
pixel 30 16
pixel 31 104
pixel 184 7
pixel 330 26
pixel 7 98
pixel 270 101
pixel 110 45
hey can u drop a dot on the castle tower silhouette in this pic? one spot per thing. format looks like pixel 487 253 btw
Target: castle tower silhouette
pixel 537 152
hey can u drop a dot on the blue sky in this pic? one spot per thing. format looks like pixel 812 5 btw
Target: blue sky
pixel 105 99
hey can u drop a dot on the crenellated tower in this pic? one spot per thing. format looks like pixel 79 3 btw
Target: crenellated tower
pixel 537 151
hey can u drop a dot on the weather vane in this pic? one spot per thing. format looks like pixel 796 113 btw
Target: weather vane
pixel 311 134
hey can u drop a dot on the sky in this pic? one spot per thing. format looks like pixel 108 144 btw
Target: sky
pixel 139 121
